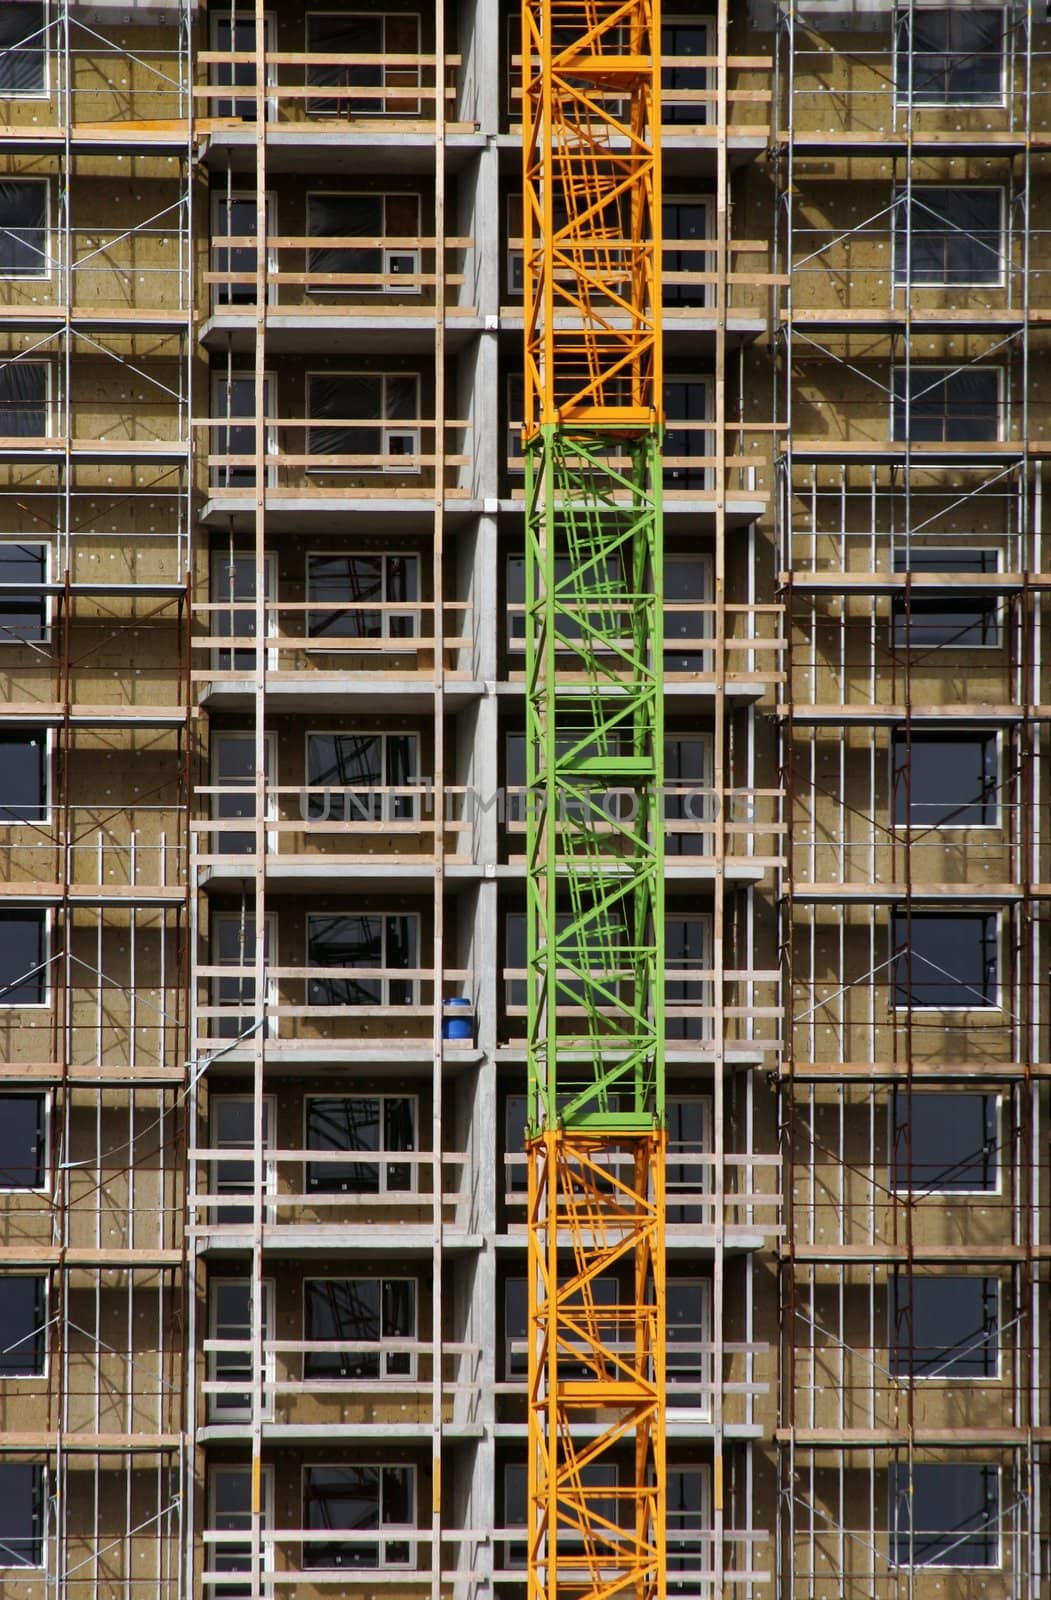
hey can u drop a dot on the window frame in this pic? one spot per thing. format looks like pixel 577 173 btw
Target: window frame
pixel 965 913
pixel 344 108
pixel 903 101
pixel 898 401
pixel 46 368
pixel 316 641
pixel 901 1533
pixel 216 1101
pixel 898 1362
pixel 945 604
pixel 38 1515
pixel 393 1533
pixel 219 305
pixel 271 925
pixel 904 232
pixel 385 461
pixel 43 1279
pixel 705 202
pixel 386 1380
pixel 42 33
pixel 220 423
pixel 47 272
pixel 680 479
pixel 390 1158
pixel 685 1542
pixel 988 736
pixel 998 1116
pixel 44 636
pixel 385 982
pixel 702 1359
pixel 46 755
pixel 386 254
pixel 219 737
pixel 699 113
pixel 23 913
pixel 512 1562
pixel 218 1412
pixel 43 1140
pixel 224 1589
pixel 389 804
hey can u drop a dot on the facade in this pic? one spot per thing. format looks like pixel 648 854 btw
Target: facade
pixel 263 944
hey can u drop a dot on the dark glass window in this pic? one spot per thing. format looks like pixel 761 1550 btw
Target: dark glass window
pixel 23 403
pixel 358 1499
pixel 232 1128
pixel 353 769
pixel 23 567
pixel 346 397
pixel 947 961
pixel 689 1518
pixel 686 407
pixel 23 1342
pixel 516 1175
pixel 689 1135
pixel 374 585
pixel 374 1311
pixel 593 1475
pixel 231 1321
pixel 952 1140
pixel 945 780
pixel 23 957
pixel 23 237
pixel 340 33
pixel 233 941
pixel 945 1328
pixel 368 217
pixel 961 622
pixel 23 48
pixel 955 1509
pixel 948 236
pixel 683 221
pixel 687 949
pixel 365 942
pixel 23 1151
pixel 23 788
pixel 680 37
pixel 231 1512
pixel 382 1124
pixel 21 1514
pixel 234 399
pixel 957 57
pixel 233 32
pixel 688 797
pixel 236 218
pixel 946 405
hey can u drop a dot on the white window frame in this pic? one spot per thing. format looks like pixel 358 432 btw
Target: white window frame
pixel 412 801
pixel 948 370
pixel 44 1186
pixel 49 413
pixel 394 1532
pixel 706 298
pixel 266 1506
pixel 220 229
pixel 385 461
pixel 244 1153
pixel 219 421
pixel 317 641
pixel 952 827
pixel 245 14
pixel 705 921
pixel 389 256
pixel 7 1006
pixel 384 983
pixel 901 88
pixel 702 1411
pixel 42 1564
pixel 694 1588
pixel 219 563
pixel 947 595
pixel 386 1380
pixel 957 1566
pixel 43 34
pixel 968 909
pixel 48 267
pixel 219 735
pixel 906 1378
pixel 897 1188
pixel 271 924
pixel 509 1564
pixel 385 1158
pixel 707 384
pixel 45 1366
pixel 705 1173
pixel 404 108
pixel 905 280
pixel 48 741
pixel 705 110
pixel 46 599
pixel 217 1412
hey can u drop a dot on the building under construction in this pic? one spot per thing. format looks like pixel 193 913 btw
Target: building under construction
pixel 523 940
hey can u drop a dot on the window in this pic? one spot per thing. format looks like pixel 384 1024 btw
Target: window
pixel 945 780
pixel 516 1174
pixel 230 1511
pixel 955 1511
pixel 953 1141
pixel 235 216
pixel 386 86
pixel 684 220
pixel 383 1124
pixel 966 621
pixel 390 398
pixel 949 1328
pixel 687 792
pixel 593 1475
pixel 946 405
pixel 682 37
pixel 689 1326
pixel 234 591
pixel 367 591
pixel 380 1312
pixel 23 958
pixel 515 263
pixel 570 594
pixel 358 1500
pixel 21 1514
pixel 950 963
pixel 687 581
pixel 687 944
pixel 23 1141
pixel 233 401
pixel 232 1121
pixel 23 776
pixel 689 1517
pixel 516 1328
pixel 230 1305
pixel 515 418
pixel 233 33
pixel 23 615
pixel 233 945
pixel 23 1326
pixel 353 768
pixel 686 405
pixel 956 57
pixel 605 1292
pixel 689 1120
pixel 371 942
pixel 23 399
pixel 23 231
pixel 368 217
pixel 949 236
pixel 23 49
pixel 233 769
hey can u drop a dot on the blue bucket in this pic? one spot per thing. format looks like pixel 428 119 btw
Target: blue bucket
pixel 458 1027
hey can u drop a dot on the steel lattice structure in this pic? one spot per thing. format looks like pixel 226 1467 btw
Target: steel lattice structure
pixel 595 757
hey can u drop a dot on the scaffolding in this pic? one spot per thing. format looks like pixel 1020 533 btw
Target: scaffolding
pixel 910 544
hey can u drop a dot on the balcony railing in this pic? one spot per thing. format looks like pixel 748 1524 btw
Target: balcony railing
pixel 290 1015
pixel 320 88
pixel 402 272
pixel 402 464
pixel 119 850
